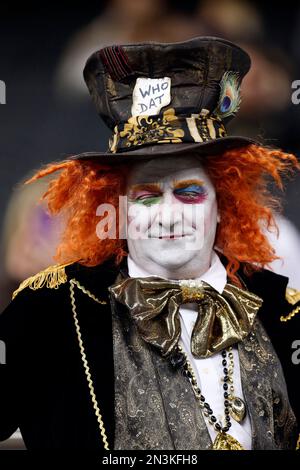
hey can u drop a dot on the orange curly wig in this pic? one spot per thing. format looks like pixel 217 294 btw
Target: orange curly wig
pixel 241 178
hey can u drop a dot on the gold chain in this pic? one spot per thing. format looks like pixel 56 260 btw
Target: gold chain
pixel 73 283
pixel 291 314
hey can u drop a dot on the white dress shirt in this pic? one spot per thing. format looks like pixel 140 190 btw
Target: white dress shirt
pixel 209 371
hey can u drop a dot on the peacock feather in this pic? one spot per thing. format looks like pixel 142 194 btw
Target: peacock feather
pixel 230 99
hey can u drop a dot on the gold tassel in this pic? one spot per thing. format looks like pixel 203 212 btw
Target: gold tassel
pixel 298 443
pixel 50 277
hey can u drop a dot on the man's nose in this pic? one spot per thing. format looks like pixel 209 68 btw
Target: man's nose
pixel 170 212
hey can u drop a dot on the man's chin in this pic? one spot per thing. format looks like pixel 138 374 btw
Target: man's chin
pixel 171 263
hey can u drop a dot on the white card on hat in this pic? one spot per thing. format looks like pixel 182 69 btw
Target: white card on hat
pixel 150 95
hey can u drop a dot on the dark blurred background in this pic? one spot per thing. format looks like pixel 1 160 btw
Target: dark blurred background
pixel 49 114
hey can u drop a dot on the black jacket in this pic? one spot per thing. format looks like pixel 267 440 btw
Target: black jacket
pixel 43 388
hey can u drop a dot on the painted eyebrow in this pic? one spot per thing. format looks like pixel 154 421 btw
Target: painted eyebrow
pixel 157 187
pixel 185 183
pixel 145 187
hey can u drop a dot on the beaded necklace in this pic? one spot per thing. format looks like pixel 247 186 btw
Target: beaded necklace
pixel 233 406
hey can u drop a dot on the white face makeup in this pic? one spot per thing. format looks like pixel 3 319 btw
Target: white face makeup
pixel 172 217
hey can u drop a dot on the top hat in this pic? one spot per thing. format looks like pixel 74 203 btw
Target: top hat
pixel 166 99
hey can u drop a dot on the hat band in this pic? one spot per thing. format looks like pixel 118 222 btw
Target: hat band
pixel 166 128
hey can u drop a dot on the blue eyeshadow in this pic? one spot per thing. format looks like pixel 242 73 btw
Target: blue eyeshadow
pixel 192 187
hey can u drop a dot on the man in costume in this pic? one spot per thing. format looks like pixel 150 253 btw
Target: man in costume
pixel 172 336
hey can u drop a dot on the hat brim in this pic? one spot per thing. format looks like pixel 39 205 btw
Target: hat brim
pixel 209 148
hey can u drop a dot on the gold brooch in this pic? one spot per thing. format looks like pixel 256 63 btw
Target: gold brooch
pixel 192 291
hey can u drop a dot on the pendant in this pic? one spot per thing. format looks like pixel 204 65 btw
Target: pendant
pixel 237 409
pixel 224 441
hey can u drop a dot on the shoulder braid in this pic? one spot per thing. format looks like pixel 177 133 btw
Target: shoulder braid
pixel 51 277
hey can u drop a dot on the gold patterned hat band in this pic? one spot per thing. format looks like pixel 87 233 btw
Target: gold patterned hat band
pixel 165 128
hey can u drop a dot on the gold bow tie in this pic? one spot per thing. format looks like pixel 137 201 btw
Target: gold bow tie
pixel 153 302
